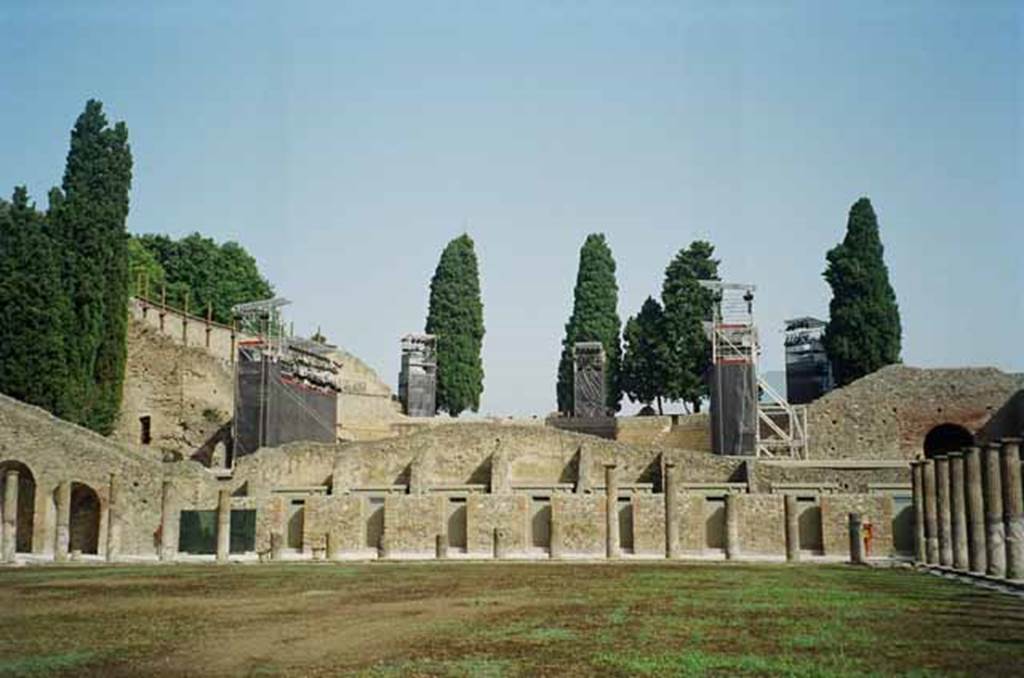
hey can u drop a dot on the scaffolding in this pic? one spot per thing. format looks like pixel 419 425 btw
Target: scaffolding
pixel 748 415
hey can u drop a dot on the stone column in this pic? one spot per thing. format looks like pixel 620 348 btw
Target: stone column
pixel 441 546
pixel 945 511
pixel 995 528
pixel 958 505
pixel 732 526
pixel 792 529
pixel 856 539
pixel 223 525
pixel 114 519
pixel 611 481
pixel 917 483
pixel 931 514
pixel 168 547
pixel 62 547
pixel 1013 508
pixel 555 550
pixel 671 526
pixel 10 535
pixel 975 510
pixel 501 537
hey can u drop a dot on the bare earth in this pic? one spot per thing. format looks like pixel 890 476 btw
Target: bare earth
pixel 494 619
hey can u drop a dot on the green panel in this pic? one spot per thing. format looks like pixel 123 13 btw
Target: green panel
pixel 198 532
pixel 243 530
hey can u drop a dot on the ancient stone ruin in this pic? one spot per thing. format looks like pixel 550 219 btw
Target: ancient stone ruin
pixel 926 460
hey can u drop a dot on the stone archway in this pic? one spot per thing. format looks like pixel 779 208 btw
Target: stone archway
pixel 946 438
pixel 84 526
pixel 26 504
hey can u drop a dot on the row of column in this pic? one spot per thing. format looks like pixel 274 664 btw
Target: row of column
pixel 969 510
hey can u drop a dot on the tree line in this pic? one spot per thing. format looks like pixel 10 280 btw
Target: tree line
pixel 66 273
pixel 662 353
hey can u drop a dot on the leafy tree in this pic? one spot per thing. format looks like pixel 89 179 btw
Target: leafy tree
pixel 595 317
pixel 863 332
pixel 87 219
pixel 686 306
pixel 33 307
pixel 196 268
pixel 456 317
pixel 647 355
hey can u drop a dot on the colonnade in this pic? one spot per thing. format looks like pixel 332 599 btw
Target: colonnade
pixel 969 510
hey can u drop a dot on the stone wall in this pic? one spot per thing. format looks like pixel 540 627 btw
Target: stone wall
pixel 843 476
pixel 690 521
pixel 486 512
pixel 887 414
pixel 649 524
pixel 412 523
pixel 580 523
pixel 762 524
pixel 187 394
pixel 340 519
pixel 835 523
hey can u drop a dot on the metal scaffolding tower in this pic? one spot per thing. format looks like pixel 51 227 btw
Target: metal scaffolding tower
pixel 748 415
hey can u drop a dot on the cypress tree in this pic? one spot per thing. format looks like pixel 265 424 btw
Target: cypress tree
pixel 647 356
pixel 687 305
pixel 456 318
pixel 863 332
pixel 88 220
pixel 32 307
pixel 595 317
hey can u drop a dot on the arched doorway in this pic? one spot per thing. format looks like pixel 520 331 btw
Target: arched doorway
pixel 85 519
pixel 26 502
pixel 946 438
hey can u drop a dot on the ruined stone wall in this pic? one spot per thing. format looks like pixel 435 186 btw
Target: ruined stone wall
pixel 290 466
pixel 186 392
pixel 690 520
pixel 683 431
pixel 649 524
pixel 839 476
pixel 581 523
pixel 486 512
pixel 887 414
pixel 341 519
pixel 835 510
pixel 412 522
pixel 762 524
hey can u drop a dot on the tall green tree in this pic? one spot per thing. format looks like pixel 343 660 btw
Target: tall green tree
pixel 686 306
pixel 647 355
pixel 87 219
pixel 196 268
pixel 864 331
pixel 595 317
pixel 33 307
pixel 456 318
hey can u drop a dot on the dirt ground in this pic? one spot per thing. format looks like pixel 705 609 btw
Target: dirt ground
pixel 490 619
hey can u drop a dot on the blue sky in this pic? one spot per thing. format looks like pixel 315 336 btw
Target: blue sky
pixel 345 143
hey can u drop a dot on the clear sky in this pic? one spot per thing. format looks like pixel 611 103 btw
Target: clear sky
pixel 345 143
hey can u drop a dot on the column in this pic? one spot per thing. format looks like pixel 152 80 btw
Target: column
pixel 945 512
pixel 671 526
pixel 792 529
pixel 975 510
pixel 61 548
pixel 441 546
pixel 555 550
pixel 223 525
pixel 114 519
pixel 168 547
pixel 501 538
pixel 917 483
pixel 958 506
pixel 995 528
pixel 732 526
pixel 1013 508
pixel 856 539
pixel 10 532
pixel 611 481
pixel 931 514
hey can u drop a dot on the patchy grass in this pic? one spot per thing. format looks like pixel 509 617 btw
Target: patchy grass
pixel 507 619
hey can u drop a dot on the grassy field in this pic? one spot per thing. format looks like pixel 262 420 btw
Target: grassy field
pixel 486 619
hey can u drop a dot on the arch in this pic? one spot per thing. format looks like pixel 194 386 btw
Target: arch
pixel 85 519
pixel 26 502
pixel 946 438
